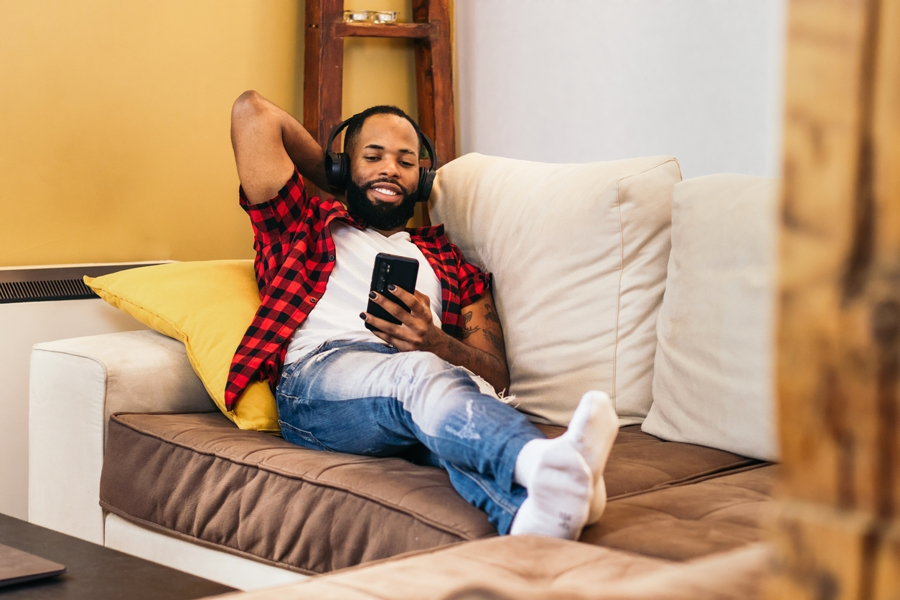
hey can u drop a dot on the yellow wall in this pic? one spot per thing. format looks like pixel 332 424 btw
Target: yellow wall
pixel 114 116
pixel 379 71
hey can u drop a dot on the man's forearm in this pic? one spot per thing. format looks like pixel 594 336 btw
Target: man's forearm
pixel 488 366
pixel 304 150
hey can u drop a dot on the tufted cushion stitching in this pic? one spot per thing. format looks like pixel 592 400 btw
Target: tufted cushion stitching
pixel 688 521
pixel 749 465
pixel 303 478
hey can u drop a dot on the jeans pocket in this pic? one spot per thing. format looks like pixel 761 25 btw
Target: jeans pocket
pixel 286 375
pixel 301 437
pixel 294 370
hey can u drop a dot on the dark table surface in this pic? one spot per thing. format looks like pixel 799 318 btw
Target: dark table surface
pixel 93 571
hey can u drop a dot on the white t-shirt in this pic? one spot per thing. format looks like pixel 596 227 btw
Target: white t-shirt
pixel 336 315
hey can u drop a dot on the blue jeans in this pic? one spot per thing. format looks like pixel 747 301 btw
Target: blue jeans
pixel 371 399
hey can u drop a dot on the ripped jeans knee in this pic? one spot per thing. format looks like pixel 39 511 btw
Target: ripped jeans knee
pixel 370 399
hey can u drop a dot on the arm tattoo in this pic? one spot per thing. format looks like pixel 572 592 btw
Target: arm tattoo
pixel 491 367
pixel 491 313
pixel 495 340
pixel 467 329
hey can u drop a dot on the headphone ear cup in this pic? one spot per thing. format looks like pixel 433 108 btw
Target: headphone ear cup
pixel 332 169
pixel 337 170
pixel 426 182
pixel 345 170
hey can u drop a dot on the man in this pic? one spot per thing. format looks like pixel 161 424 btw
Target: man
pixel 343 388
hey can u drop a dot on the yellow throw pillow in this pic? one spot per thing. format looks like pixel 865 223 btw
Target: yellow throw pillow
pixel 208 306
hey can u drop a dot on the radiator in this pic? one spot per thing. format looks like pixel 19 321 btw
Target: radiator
pixel 41 304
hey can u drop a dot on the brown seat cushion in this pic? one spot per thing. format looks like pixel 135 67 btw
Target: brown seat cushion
pixel 689 521
pixel 531 567
pixel 254 494
pixel 640 462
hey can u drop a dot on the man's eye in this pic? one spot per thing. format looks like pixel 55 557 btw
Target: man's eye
pixel 407 164
pixel 370 158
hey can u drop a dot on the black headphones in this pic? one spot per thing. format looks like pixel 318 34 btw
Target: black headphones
pixel 337 164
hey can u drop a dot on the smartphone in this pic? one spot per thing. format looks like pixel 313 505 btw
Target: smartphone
pixel 391 269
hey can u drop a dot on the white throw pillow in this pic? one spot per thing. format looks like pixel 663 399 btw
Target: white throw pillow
pixel 713 382
pixel 579 254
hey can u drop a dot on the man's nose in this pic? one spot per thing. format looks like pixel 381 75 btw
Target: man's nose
pixel 390 168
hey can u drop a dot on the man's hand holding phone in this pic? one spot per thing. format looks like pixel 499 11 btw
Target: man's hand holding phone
pixel 401 316
pixel 416 330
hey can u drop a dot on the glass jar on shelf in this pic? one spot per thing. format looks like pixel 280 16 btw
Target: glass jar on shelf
pixel 357 16
pixel 378 17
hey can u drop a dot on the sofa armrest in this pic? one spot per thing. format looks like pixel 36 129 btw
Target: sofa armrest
pixel 75 385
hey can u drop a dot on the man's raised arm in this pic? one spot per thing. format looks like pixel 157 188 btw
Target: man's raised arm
pixel 268 143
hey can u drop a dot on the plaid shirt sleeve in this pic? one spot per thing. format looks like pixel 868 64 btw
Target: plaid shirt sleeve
pixel 281 225
pixel 473 282
pixel 275 223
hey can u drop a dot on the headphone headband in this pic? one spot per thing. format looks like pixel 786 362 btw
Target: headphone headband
pixel 337 164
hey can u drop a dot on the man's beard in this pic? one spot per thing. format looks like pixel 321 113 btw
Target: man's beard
pixel 379 215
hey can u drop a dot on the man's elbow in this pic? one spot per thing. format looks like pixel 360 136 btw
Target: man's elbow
pixel 248 107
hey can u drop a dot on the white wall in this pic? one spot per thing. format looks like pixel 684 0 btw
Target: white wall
pixel 591 80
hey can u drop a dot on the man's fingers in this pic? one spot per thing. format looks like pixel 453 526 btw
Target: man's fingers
pixel 383 336
pixel 414 327
pixel 390 306
pixel 385 326
pixel 423 299
pixel 395 342
pixel 420 300
pixel 401 294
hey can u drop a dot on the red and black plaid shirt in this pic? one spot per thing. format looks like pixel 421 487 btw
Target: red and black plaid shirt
pixel 295 256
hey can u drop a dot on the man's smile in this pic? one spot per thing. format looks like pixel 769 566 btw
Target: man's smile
pixel 386 192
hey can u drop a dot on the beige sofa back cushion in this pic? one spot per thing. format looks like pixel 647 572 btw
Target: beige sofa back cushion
pixel 579 256
pixel 713 382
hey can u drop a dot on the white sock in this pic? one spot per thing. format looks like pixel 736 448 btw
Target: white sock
pixel 559 486
pixel 592 431
pixel 527 461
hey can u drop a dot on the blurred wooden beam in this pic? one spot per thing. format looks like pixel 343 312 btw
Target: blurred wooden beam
pixel 838 363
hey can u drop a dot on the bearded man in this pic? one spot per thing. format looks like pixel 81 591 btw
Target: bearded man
pixel 417 388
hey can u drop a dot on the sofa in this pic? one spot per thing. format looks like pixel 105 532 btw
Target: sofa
pixel 613 276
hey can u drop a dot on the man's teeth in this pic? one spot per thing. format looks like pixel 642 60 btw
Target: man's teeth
pixel 382 190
